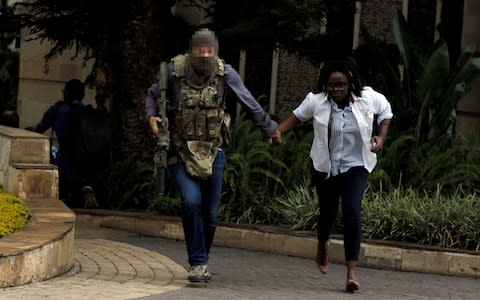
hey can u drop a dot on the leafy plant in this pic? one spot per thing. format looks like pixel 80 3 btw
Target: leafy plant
pixel 429 218
pixel 14 214
pixel 299 207
pixel 131 185
pixel 422 165
pixel 425 91
pixel 257 174
pixel 449 162
pixel 165 204
pixel 248 176
pixel 440 89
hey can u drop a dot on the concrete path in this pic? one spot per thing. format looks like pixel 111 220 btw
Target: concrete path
pixel 112 264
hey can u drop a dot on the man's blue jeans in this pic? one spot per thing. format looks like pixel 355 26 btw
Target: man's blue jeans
pixel 200 200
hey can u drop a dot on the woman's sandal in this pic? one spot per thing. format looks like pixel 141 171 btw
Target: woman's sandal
pixel 352 285
pixel 322 258
pixel 323 269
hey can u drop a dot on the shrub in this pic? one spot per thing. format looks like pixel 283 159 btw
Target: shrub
pixel 132 185
pixel 449 162
pixel 429 218
pixel 250 181
pixel 299 207
pixel 257 174
pixel 400 214
pixel 13 213
pixel 425 95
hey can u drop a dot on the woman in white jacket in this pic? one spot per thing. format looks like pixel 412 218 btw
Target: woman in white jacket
pixel 343 152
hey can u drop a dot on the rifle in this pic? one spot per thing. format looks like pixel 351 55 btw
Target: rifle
pixel 163 137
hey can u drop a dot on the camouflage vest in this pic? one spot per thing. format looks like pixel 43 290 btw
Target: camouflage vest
pixel 199 119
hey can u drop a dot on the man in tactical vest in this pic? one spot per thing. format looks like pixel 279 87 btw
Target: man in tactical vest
pixel 197 83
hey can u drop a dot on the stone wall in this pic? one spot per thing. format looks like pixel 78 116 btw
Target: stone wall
pixel 296 77
pixel 377 17
pixel 25 170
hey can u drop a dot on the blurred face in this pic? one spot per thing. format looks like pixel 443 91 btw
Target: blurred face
pixel 337 86
pixel 203 51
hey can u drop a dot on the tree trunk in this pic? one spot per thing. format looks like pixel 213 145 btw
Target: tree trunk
pixel 143 45
pixel 450 27
pixel 421 14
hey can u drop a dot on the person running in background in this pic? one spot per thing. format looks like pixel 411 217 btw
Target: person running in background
pixel 75 187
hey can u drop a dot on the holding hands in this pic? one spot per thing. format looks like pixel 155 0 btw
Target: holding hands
pixel 276 137
pixel 289 122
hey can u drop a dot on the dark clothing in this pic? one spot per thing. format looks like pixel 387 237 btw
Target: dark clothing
pixel 57 117
pixel 350 187
pixel 71 180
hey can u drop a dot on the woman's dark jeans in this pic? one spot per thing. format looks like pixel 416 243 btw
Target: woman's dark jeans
pixel 350 187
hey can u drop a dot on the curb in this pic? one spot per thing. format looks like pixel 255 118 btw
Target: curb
pixel 392 256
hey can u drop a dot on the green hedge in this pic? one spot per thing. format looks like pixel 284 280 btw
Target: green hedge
pixel 14 214
pixel 426 218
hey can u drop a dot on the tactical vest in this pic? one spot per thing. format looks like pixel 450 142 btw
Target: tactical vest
pixel 199 119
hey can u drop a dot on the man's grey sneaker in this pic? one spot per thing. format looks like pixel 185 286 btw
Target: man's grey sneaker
pixel 198 274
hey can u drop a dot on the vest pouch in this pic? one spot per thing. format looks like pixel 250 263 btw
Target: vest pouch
pixel 198 157
pixel 208 98
pixel 191 99
pixel 200 125
pixel 186 123
pixel 214 123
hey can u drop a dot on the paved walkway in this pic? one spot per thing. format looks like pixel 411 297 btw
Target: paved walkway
pixel 105 269
pixel 112 264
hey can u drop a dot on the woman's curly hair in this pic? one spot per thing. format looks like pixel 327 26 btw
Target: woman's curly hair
pixel 346 66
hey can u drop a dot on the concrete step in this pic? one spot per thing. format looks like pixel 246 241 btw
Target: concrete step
pixel 22 146
pixel 32 181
